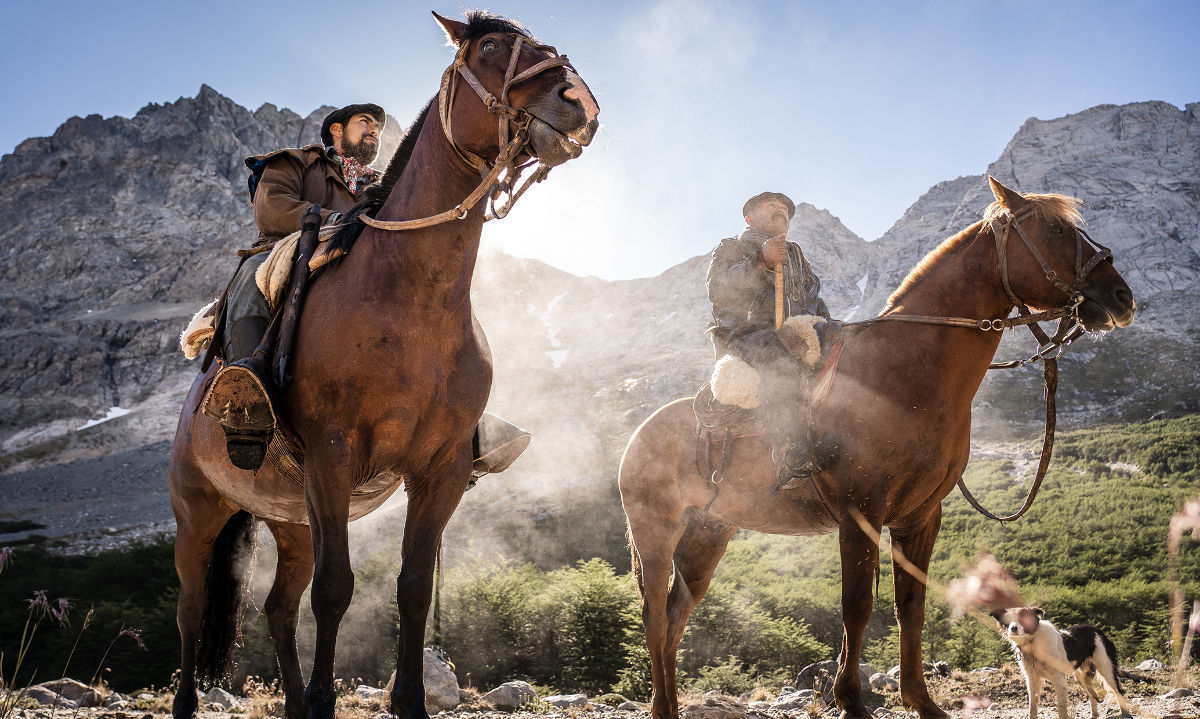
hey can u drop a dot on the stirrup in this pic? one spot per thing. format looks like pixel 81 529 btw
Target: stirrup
pixel 246 450
pixel 496 445
pixel 802 463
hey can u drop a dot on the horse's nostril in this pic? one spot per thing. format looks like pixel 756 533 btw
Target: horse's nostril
pixel 1124 296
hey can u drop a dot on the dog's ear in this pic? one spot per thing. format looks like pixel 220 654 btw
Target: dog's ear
pixel 998 615
pixel 1039 611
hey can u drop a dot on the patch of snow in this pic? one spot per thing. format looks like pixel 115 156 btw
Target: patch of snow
pixel 862 289
pixel 1125 467
pixel 552 332
pixel 558 356
pixel 113 413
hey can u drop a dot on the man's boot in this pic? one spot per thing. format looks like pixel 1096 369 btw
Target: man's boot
pixel 238 397
pixel 496 445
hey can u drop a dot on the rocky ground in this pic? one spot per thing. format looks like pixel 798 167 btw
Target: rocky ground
pixel 1002 690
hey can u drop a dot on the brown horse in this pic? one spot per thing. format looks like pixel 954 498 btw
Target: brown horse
pixel 901 405
pixel 392 373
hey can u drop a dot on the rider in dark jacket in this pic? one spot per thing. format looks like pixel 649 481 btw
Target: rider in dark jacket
pixel 741 286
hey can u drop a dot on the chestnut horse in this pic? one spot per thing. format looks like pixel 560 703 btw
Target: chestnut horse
pixel 391 374
pixel 901 406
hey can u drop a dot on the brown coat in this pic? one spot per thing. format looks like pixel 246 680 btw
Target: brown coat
pixel 292 180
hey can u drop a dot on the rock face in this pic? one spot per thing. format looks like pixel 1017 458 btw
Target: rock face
pixel 115 230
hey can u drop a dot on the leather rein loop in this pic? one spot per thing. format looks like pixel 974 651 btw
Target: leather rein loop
pixel 511 119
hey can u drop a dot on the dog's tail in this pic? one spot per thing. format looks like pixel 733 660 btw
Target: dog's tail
pixel 1110 651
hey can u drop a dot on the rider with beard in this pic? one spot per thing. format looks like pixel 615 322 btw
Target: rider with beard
pixel 283 185
pixel 741 286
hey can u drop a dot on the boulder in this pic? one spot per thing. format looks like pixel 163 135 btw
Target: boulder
pixel 881 681
pixel 1177 693
pixel 562 701
pixel 220 697
pixel 942 669
pixel 1150 665
pixel 441 685
pixel 511 696
pixel 628 707
pixel 76 691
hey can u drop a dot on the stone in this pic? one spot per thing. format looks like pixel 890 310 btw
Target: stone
pixel 716 707
pixel 1178 693
pixel 881 681
pixel 808 674
pixel 794 701
pixel 1150 665
pixel 219 697
pixel 115 698
pixel 78 692
pixel 894 671
pixel 562 701
pixel 369 693
pixel 942 669
pixel 441 685
pixel 511 696
pixel 48 698
pixel 628 707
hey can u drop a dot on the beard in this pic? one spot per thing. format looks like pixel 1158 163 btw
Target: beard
pixel 361 152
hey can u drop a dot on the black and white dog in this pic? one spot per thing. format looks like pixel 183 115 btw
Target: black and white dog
pixel 1046 654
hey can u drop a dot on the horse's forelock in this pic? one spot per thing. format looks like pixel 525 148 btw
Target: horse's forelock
pixel 1048 207
pixel 482 22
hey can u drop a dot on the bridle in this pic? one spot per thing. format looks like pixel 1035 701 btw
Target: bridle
pixel 1068 313
pixel 510 120
pixel 1049 349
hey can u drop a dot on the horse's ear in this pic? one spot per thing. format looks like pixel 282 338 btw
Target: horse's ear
pixel 1006 197
pixel 454 29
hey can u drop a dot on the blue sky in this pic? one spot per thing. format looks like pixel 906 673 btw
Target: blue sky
pixel 857 108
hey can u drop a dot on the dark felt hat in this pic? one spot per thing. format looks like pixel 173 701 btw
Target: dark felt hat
pixel 764 196
pixel 343 115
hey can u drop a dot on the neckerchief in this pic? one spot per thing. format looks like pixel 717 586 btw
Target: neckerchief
pixel 353 171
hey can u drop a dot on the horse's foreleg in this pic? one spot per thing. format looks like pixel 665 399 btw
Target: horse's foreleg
pixel 860 559
pixel 430 505
pixel 328 498
pixel 916 546
pixel 199 517
pixel 696 558
pixel 293 572
pixel 654 539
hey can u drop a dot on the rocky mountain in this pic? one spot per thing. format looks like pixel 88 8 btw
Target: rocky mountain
pixel 115 230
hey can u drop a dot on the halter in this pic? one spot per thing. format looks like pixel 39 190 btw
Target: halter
pixel 511 119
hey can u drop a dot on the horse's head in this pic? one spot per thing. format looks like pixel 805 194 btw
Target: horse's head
pixel 523 83
pixel 1054 263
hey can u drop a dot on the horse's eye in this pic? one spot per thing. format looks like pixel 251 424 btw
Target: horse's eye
pixel 1056 229
pixel 489 46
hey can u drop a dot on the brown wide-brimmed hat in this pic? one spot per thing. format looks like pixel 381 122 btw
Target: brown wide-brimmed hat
pixel 763 197
pixel 343 116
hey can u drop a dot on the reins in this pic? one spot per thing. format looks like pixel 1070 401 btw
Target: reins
pixel 1049 349
pixel 509 118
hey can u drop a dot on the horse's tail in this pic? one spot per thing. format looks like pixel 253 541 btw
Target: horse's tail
pixel 635 562
pixel 226 589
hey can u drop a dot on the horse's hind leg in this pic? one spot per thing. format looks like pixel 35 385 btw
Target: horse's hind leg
pixel 199 515
pixel 916 546
pixel 293 572
pixel 430 505
pixel 696 558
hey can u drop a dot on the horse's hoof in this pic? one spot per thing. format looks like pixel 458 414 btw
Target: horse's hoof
pixel 320 703
pixel 184 705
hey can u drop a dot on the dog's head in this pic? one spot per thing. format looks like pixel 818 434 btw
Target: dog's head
pixel 1020 623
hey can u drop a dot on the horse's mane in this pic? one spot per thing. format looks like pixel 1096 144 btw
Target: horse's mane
pixel 1046 207
pixel 376 195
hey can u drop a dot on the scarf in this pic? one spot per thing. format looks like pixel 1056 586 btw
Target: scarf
pixel 353 171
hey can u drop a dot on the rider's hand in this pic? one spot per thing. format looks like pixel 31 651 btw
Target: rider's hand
pixel 773 252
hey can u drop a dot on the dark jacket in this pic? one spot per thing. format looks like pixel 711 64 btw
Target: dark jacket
pixel 743 294
pixel 292 180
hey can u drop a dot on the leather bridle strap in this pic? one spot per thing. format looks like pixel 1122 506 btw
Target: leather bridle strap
pixel 508 117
